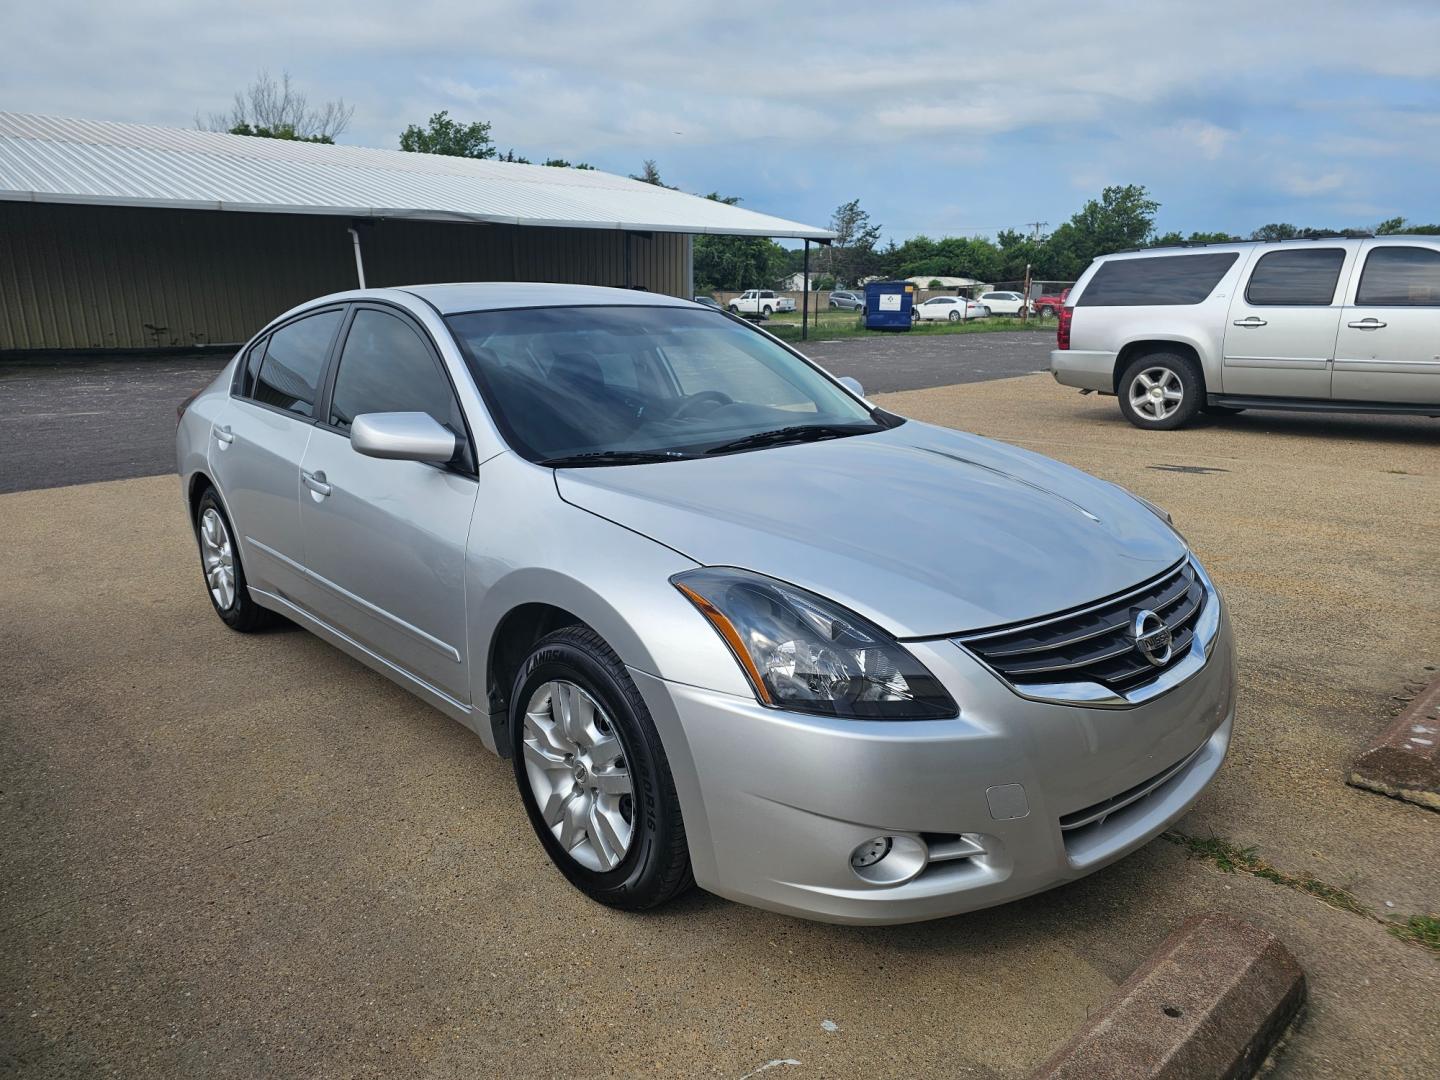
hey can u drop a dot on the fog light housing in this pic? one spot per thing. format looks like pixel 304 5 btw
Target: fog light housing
pixel 889 860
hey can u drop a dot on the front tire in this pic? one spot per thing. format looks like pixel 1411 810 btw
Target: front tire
pixel 1161 391
pixel 224 575
pixel 593 774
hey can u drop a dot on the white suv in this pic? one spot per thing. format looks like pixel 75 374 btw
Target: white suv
pixel 1337 324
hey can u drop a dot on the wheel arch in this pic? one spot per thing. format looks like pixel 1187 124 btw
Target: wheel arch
pixel 1133 350
pixel 512 640
pixel 195 489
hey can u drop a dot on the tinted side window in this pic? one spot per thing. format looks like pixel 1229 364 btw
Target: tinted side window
pixel 1305 277
pixel 386 367
pixel 1400 277
pixel 1163 279
pixel 248 368
pixel 294 360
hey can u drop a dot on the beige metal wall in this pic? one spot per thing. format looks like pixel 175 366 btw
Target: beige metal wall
pixel 93 277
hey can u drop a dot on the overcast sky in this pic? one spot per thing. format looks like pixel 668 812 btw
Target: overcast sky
pixel 941 117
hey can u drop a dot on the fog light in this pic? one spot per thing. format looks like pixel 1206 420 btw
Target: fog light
pixel 871 852
pixel 889 860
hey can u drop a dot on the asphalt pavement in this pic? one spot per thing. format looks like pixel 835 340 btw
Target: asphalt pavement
pixel 113 418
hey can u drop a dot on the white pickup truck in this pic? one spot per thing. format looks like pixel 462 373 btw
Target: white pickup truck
pixel 762 302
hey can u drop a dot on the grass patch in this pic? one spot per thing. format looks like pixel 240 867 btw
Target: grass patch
pixel 833 325
pixel 1233 859
pixel 1419 929
pixel 1422 930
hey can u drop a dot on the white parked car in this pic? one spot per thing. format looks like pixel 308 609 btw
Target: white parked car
pixel 953 308
pixel 1332 324
pixel 1005 303
pixel 761 302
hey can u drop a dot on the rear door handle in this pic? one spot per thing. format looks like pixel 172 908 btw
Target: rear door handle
pixel 1250 322
pixel 315 481
pixel 223 435
pixel 1367 324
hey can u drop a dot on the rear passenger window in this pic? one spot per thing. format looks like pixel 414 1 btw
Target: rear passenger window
pixel 1162 279
pixel 248 368
pixel 290 373
pixel 1400 277
pixel 387 367
pixel 1304 277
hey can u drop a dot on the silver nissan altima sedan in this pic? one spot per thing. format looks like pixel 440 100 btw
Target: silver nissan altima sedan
pixel 734 625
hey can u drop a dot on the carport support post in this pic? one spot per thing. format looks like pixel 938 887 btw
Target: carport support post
pixel 359 263
pixel 805 298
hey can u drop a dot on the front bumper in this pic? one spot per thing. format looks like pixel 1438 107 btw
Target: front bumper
pixel 1083 368
pixel 775 802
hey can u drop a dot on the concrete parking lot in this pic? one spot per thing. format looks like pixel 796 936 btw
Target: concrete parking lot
pixel 232 856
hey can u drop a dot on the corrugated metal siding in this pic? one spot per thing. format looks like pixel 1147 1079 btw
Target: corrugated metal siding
pixel 88 277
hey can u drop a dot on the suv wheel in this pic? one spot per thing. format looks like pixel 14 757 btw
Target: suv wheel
pixel 593 774
pixel 1161 391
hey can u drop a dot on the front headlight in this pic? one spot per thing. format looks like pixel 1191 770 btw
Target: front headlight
pixel 803 652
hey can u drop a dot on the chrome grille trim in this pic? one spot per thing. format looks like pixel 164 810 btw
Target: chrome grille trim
pixel 1183 596
pixel 1096 814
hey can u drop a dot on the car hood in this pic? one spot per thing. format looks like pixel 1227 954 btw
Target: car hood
pixel 924 530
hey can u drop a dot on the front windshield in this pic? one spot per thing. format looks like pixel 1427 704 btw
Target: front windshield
pixel 616 382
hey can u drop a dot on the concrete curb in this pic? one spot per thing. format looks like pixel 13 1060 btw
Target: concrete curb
pixel 1404 760
pixel 1210 1002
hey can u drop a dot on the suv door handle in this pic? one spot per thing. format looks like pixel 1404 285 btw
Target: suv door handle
pixel 1367 324
pixel 1250 322
pixel 223 435
pixel 315 481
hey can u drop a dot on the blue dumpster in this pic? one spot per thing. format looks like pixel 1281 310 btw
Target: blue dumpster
pixel 888 305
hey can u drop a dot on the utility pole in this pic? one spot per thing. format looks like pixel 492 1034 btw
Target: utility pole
pixel 1035 227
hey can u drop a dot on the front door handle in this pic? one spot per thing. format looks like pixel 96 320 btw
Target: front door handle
pixel 1367 324
pixel 315 481
pixel 1250 322
pixel 224 435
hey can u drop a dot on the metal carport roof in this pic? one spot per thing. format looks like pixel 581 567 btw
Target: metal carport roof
pixel 57 160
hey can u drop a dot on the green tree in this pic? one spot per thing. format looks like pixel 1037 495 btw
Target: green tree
pixel 284 131
pixel 650 174
pixel 561 163
pixel 443 135
pixel 1122 218
pixel 851 255
pixel 730 263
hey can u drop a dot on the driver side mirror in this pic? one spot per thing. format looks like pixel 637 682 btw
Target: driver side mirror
pixel 402 436
pixel 853 385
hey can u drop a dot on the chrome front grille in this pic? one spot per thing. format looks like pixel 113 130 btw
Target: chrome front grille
pixel 1098 644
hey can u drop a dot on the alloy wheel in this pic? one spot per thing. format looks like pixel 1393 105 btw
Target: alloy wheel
pixel 577 772
pixel 1156 393
pixel 218 558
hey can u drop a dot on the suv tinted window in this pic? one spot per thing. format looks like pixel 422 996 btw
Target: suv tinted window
pixel 386 367
pixel 1304 277
pixel 1161 279
pixel 293 362
pixel 1400 277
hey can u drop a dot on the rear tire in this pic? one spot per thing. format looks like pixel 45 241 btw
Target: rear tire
pixel 619 816
pixel 224 575
pixel 954 316
pixel 1161 391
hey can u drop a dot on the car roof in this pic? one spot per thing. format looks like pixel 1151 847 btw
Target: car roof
pixel 1245 245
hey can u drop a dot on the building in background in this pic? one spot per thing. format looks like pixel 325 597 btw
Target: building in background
pixel 123 236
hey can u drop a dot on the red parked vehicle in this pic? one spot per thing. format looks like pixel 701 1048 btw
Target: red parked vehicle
pixel 1051 305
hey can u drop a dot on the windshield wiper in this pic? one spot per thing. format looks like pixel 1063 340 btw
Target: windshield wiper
pixel 612 457
pixel 794 433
